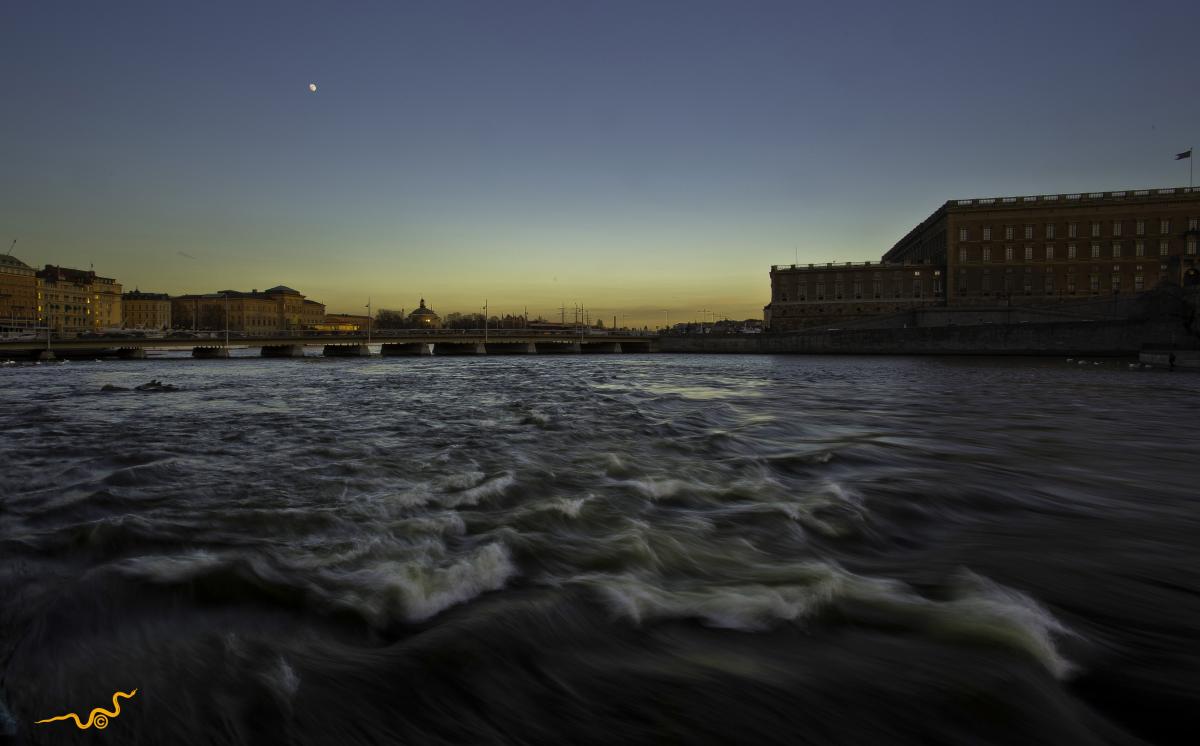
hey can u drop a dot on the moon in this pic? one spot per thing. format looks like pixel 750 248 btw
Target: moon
pixel 312 87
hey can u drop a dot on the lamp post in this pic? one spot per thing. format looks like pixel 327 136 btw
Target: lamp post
pixel 368 322
pixel 226 295
pixel 485 320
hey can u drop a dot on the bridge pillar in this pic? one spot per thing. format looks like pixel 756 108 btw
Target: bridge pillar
pixel 132 353
pixel 606 347
pixel 638 347
pixel 412 348
pixel 511 348
pixel 551 348
pixel 210 353
pixel 347 351
pixel 459 348
pixel 283 350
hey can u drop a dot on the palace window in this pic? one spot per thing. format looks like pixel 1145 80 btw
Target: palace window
pixel 1194 224
pixel 1162 248
pixel 1116 282
pixel 1028 253
pixel 877 287
pixel 1071 251
pixel 1071 282
pixel 1164 227
pixel 1049 252
pixel 987 280
pixel 1028 232
pixel 1008 253
pixel 1116 249
pixel 1049 283
pixel 1139 248
pixel 1139 283
pixel 987 233
pixel 1028 287
pixel 1095 250
pixel 962 256
pixel 1116 227
pixel 1140 228
pixel 820 290
pixel 987 254
pixel 1094 282
pixel 962 234
pixel 1072 230
pixel 1049 230
pixel 858 287
pixel 1095 230
pixel 1191 246
pixel 1008 232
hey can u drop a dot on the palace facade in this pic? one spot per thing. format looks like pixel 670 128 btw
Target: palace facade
pixel 278 309
pixel 75 300
pixel 146 310
pixel 1026 250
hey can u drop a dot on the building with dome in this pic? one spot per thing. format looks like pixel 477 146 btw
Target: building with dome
pixel 277 309
pixel 424 318
pixel 18 294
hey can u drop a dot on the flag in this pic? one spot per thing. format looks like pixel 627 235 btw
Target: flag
pixel 1185 154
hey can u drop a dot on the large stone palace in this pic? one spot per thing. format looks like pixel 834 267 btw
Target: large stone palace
pixel 996 251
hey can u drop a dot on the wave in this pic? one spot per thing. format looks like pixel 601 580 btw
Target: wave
pixel 982 612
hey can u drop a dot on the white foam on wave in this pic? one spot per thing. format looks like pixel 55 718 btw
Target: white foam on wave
pixel 417 590
pixel 167 569
pixel 480 492
pixel 981 612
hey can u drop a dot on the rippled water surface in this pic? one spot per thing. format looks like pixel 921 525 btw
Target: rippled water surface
pixel 600 549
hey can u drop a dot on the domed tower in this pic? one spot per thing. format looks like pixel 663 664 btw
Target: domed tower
pixel 425 318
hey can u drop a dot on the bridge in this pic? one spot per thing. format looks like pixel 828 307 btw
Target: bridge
pixel 416 342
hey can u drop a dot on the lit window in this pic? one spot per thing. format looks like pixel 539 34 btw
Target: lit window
pixel 962 256
pixel 1116 282
pixel 1194 224
pixel 1139 248
pixel 1049 252
pixel 1191 246
pixel 1008 232
pixel 1162 248
pixel 1095 250
pixel 987 254
pixel 1094 281
pixel 1164 227
pixel 1139 283
pixel 1008 253
pixel 1116 249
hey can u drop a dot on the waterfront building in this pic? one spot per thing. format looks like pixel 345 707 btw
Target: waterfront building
pixel 424 318
pixel 312 314
pixel 277 309
pixel 343 322
pixel 75 300
pixel 146 310
pixel 18 294
pixel 1025 250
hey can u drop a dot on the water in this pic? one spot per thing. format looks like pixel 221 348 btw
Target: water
pixel 601 549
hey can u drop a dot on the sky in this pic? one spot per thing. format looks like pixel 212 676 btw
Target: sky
pixel 648 160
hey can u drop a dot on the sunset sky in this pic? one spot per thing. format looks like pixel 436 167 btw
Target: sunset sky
pixel 636 157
